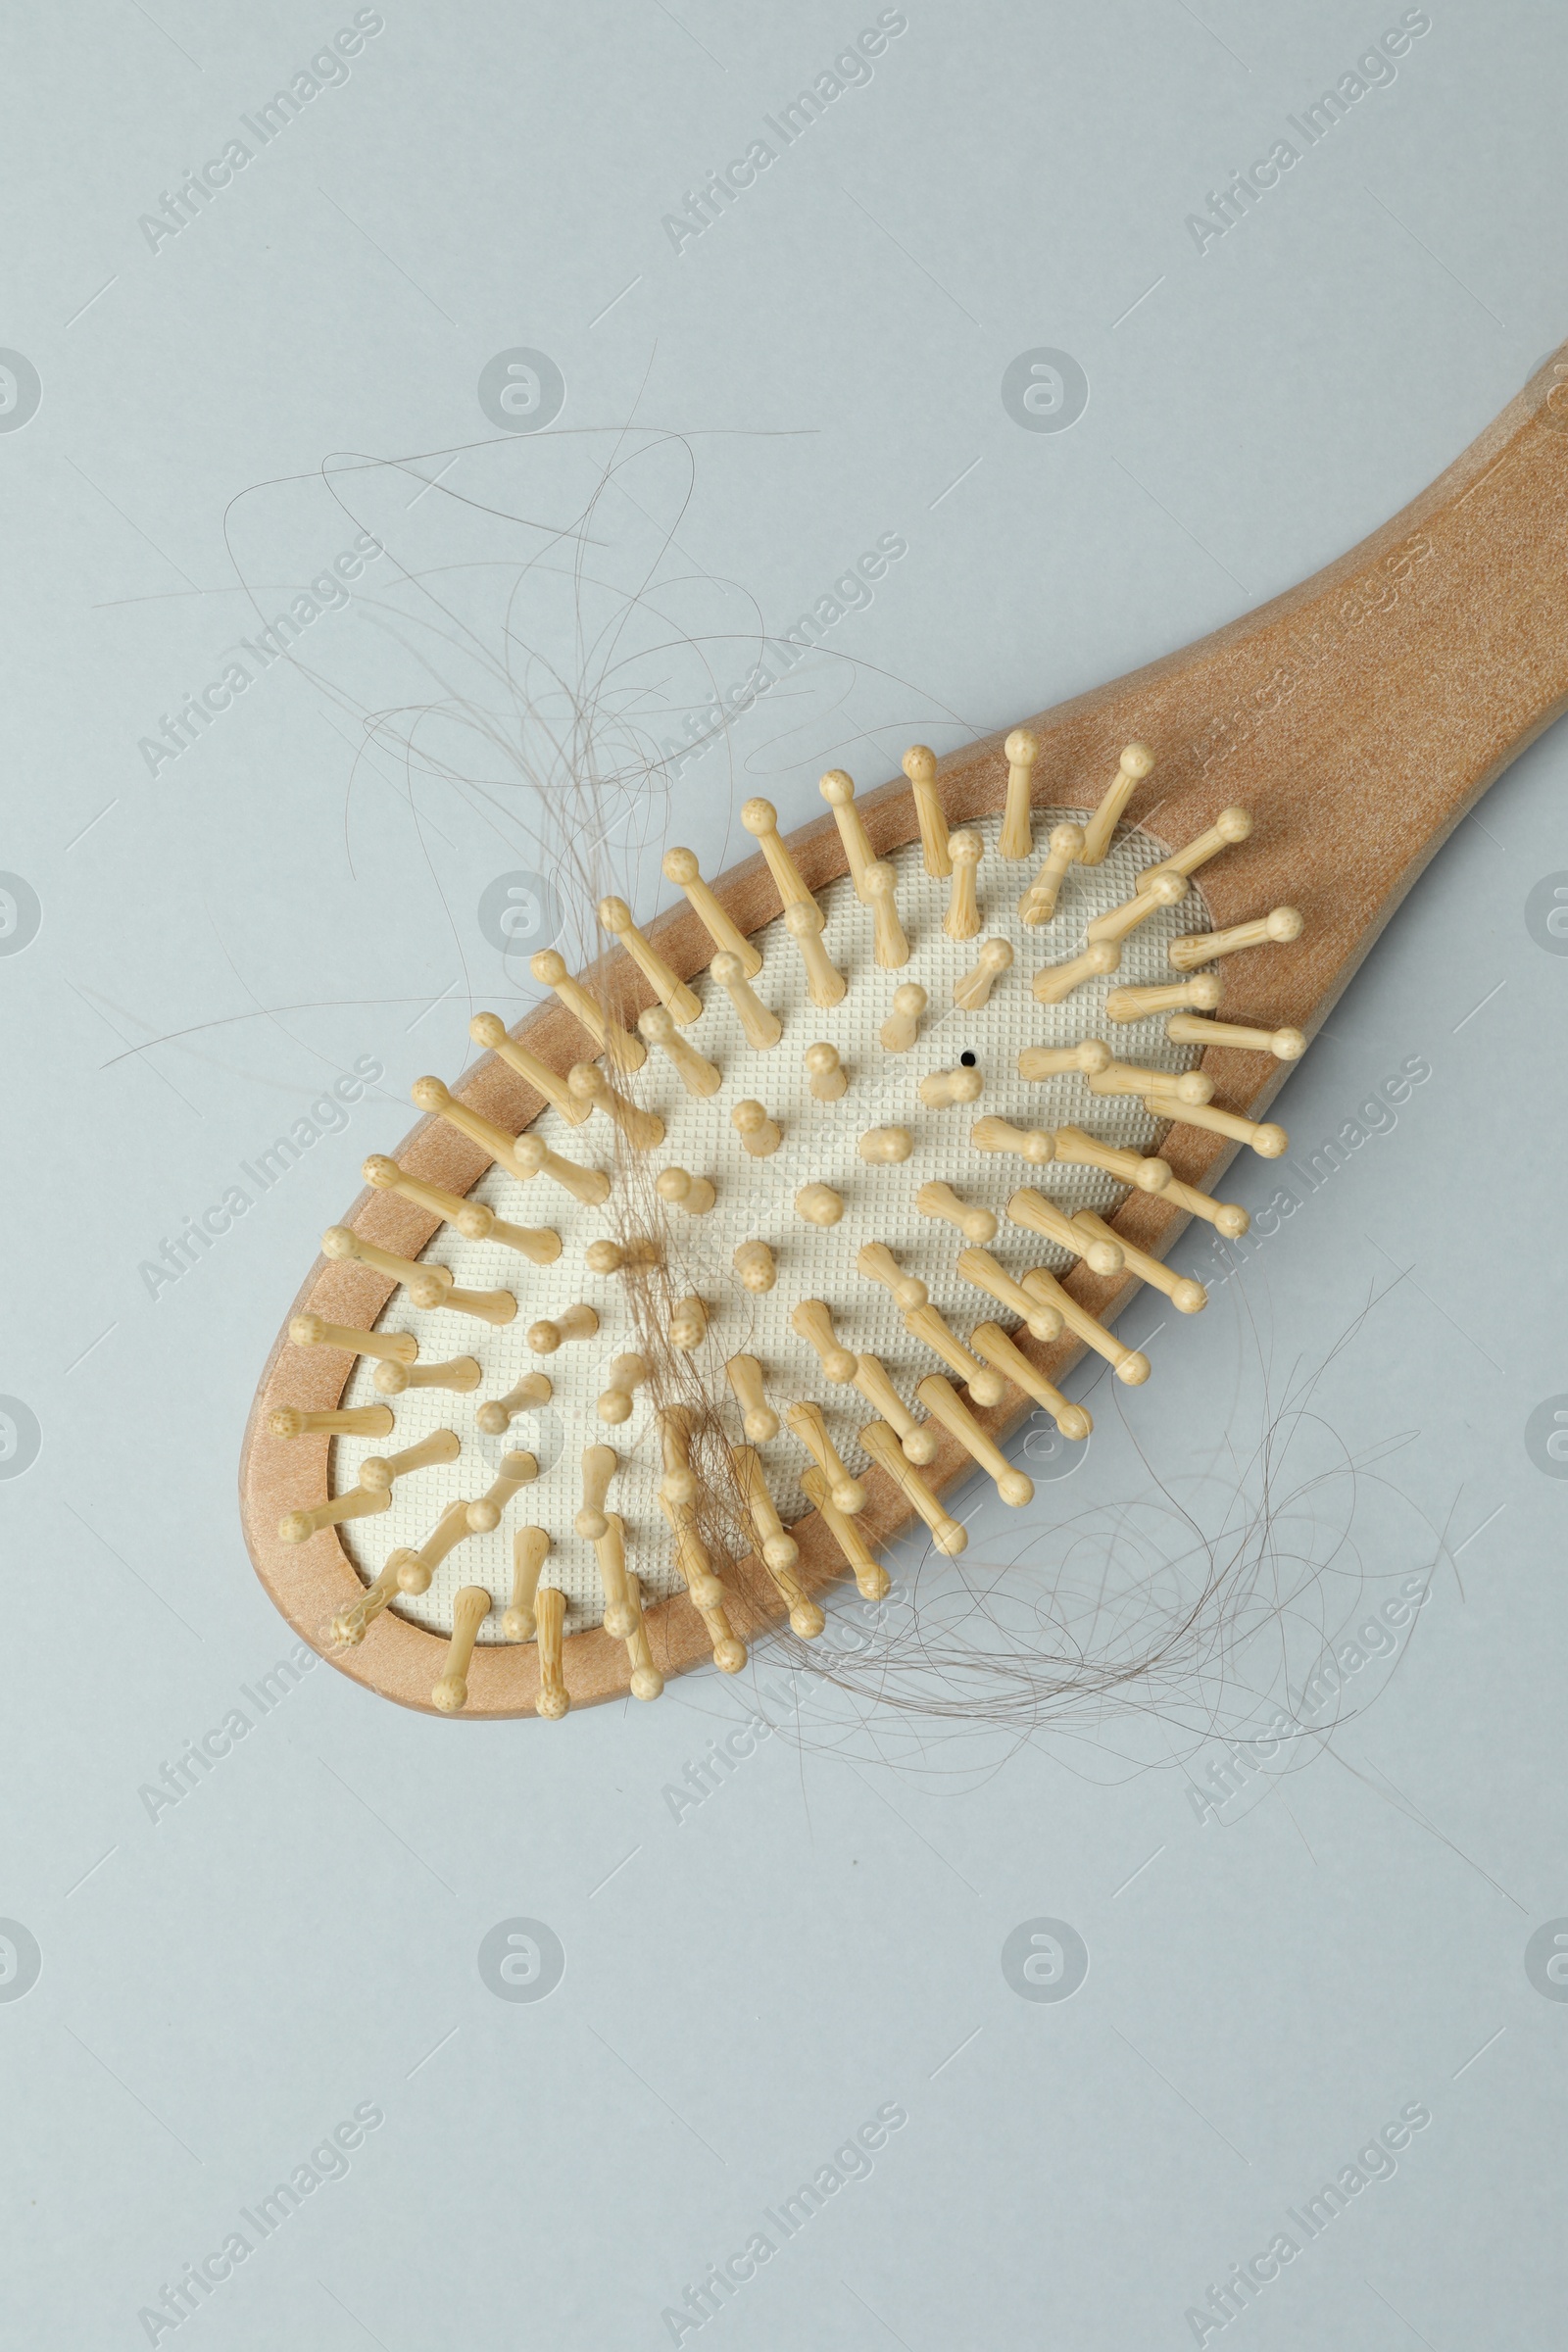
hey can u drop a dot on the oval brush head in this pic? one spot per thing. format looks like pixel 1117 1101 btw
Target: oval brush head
pixel 755 1315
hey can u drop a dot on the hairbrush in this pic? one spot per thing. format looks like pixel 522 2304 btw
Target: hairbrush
pixel 752 1239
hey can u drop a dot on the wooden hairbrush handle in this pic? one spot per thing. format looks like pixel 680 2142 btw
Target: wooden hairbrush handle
pixel 1358 715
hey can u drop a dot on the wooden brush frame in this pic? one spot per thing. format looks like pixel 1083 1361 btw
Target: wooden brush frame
pixel 1425 659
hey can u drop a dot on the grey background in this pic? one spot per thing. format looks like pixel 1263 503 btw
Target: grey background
pixel 745 1986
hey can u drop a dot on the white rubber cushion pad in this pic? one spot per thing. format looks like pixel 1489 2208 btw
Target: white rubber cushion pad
pixel 755 1200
